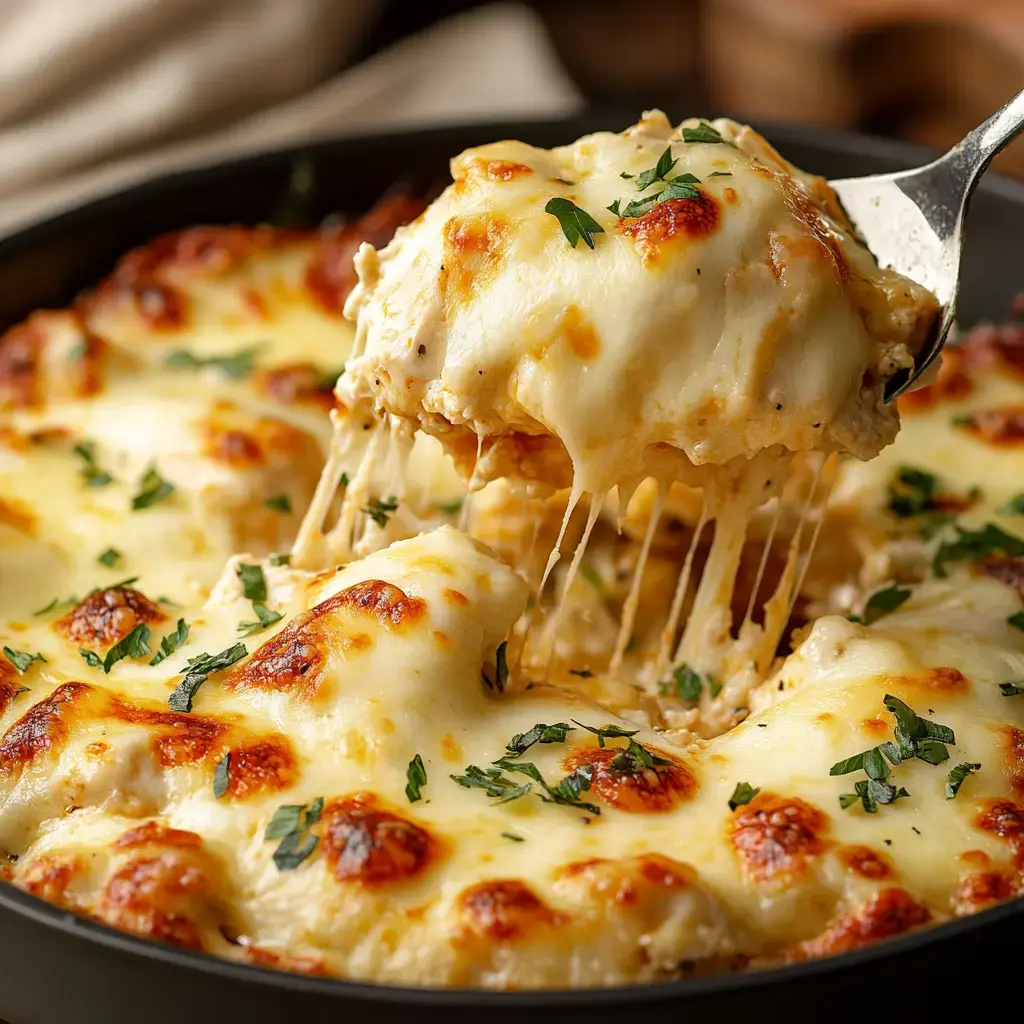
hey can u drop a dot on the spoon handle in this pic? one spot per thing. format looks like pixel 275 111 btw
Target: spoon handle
pixel 976 150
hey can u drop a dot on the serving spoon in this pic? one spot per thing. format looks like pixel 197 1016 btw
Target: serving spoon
pixel 913 221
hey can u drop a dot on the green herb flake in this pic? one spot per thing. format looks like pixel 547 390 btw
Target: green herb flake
pixel 500 680
pixel 1016 620
pixel 540 733
pixel 171 642
pixel 596 580
pixel 279 503
pixel 513 837
pixel 264 616
pixel 636 758
pixel 222 776
pixel 688 683
pixel 971 545
pixel 110 557
pixel 197 671
pixel 1014 507
pixel 703 133
pixel 883 601
pixel 236 366
pixel 956 777
pixel 134 645
pixel 282 559
pixel 613 732
pixel 614 208
pixel 575 222
pixel 494 784
pixel 742 794
pixel 91 472
pixel 449 508
pixel 152 489
pixel 21 660
pixel 92 659
pixel 566 792
pixel 657 173
pixel 1011 689
pixel 415 778
pixel 254 583
pixel 380 510
pixel 291 824
pixel 720 174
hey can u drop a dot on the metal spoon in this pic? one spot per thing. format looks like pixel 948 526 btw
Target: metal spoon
pixel 913 221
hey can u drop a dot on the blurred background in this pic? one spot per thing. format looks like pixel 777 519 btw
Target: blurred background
pixel 95 94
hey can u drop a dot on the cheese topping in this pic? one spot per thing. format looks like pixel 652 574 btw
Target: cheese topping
pixel 414 764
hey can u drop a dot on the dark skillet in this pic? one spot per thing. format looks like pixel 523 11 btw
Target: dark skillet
pixel 58 969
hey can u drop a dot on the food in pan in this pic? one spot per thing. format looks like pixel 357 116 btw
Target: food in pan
pixel 293 673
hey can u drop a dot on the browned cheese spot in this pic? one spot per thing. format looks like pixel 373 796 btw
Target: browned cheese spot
pixel 264 765
pixel 889 913
pixel 504 910
pixel 646 791
pixel 49 876
pixel 45 726
pixel 775 836
pixel 675 219
pixel 366 843
pixel 164 886
pixel 106 616
pixel 474 250
pixel 864 861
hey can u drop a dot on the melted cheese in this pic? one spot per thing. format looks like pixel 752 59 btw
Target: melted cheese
pixel 716 327
pixel 109 800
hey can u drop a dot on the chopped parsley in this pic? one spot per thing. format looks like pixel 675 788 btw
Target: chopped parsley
pixel 492 782
pixel 91 473
pixel 657 173
pixel 1011 689
pixel 222 776
pixel 283 559
pixel 720 174
pixel 500 669
pixel 540 733
pixel 153 488
pixel 956 777
pixel 513 836
pixel 110 557
pixel 134 645
pixel 971 545
pixel 197 671
pixel 264 618
pixel 686 682
pixel 415 778
pixel 1016 620
pixel 1014 507
pixel 235 366
pixel 574 222
pixel 568 790
pixel 914 737
pixel 636 758
pixel 883 601
pixel 21 660
pixel 291 824
pixel 703 133
pixel 279 503
pixel 254 583
pixel 912 492
pixel 170 643
pixel 612 732
pixel 742 794
pixel 380 510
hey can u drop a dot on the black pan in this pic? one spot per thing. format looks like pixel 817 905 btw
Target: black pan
pixel 56 968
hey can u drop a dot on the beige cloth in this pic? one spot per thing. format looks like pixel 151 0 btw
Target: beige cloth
pixel 96 95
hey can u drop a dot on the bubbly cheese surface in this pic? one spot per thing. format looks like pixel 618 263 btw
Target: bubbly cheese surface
pixel 365 770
